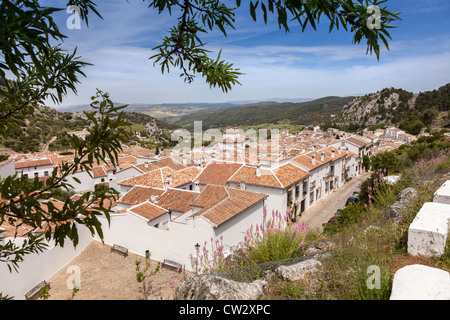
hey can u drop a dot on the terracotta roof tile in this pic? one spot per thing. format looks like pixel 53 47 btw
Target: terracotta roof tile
pixel 226 206
pixel 139 194
pixel 218 173
pixel 148 210
pixel 153 179
pixel 99 172
pixel 248 175
pixel 288 174
pixel 32 163
pixel 210 196
pixel 177 200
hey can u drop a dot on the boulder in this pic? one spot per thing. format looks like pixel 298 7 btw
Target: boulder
pixel 397 209
pixel 298 271
pixel 318 247
pixel 212 287
pixel 407 194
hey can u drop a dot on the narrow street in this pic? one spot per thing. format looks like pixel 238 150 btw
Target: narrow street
pixel 326 207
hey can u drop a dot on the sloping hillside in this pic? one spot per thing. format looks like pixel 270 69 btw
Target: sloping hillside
pixel 399 107
pixel 303 113
pixel 47 129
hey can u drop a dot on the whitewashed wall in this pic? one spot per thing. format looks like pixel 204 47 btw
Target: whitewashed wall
pixel 8 170
pixel 276 201
pixel 86 181
pixel 177 242
pixel 39 267
pixel 41 171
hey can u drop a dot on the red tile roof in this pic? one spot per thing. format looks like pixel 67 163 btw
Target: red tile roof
pixel 218 173
pixel 32 163
pixel 148 210
pixel 222 203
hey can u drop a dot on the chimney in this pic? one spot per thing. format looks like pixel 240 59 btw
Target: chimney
pixel 242 184
pixel 197 186
pixel 146 164
pixel 314 159
pixel 168 180
pixel 339 150
pixel 322 156
pixel 258 170
pixel 332 153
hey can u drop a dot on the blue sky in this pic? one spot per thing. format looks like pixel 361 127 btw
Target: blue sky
pixel 310 64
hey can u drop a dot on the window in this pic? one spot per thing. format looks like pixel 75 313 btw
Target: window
pixel 45 173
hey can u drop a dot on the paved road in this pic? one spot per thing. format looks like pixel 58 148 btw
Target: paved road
pixel 46 146
pixel 326 207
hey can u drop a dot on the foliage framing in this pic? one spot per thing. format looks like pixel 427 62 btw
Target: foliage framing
pixel 184 49
pixel 31 71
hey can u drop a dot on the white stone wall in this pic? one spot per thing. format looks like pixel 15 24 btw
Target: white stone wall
pixel 8 170
pixel 427 234
pixel 442 195
pixel 39 267
pixel 178 240
pixel 86 181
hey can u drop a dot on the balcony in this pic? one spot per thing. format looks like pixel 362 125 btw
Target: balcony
pixel 328 176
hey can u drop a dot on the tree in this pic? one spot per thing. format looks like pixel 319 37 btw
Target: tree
pixel 366 162
pixel 33 70
pixel 142 275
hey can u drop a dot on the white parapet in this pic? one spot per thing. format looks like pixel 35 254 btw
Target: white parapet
pixel 442 195
pixel 427 234
pixel 419 282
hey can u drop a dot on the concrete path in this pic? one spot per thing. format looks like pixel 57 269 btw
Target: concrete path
pixel 326 207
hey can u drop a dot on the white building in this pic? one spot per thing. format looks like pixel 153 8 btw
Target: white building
pixel 7 168
pixel 284 185
pixel 34 168
pixel 215 212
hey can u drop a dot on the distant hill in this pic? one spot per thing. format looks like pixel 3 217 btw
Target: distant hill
pixel 302 113
pixel 172 112
pixel 47 129
pixel 393 106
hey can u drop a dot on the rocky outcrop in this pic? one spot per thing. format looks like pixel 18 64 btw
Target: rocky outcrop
pixel 298 271
pixel 211 287
pixel 397 209
pixel 152 129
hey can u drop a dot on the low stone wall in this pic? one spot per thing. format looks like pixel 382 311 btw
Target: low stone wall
pixel 427 237
pixel 419 282
pixel 427 234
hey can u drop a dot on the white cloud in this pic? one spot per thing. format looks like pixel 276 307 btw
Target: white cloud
pixel 119 48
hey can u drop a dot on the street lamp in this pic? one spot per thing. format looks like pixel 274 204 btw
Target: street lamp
pixel 197 247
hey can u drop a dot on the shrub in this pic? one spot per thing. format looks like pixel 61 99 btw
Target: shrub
pixel 275 239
